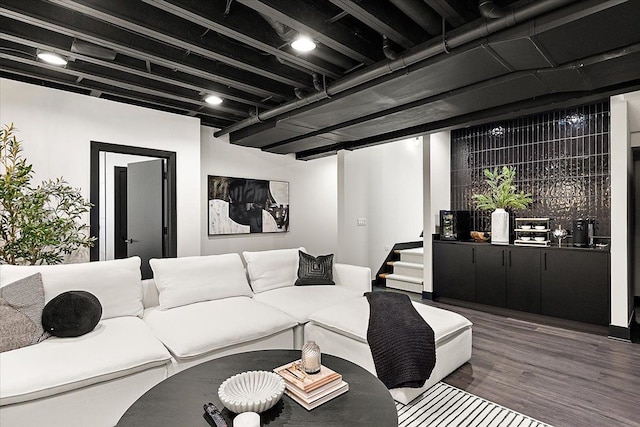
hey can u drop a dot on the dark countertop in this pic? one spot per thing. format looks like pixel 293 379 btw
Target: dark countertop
pixel 554 246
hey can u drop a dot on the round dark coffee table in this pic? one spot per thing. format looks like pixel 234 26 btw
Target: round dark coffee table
pixel 178 400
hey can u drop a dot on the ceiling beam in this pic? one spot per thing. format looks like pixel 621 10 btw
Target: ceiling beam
pixel 118 83
pixel 421 14
pixel 63 21
pixel 158 25
pixel 396 26
pixel 34 77
pixel 452 11
pixel 28 39
pixel 201 13
pixel 308 20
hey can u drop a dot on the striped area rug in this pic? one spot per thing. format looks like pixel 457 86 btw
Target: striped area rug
pixel 445 405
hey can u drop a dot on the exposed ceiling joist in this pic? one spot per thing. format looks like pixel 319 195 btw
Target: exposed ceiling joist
pixel 421 14
pixel 176 33
pixel 63 21
pixel 169 54
pixel 199 15
pixel 450 10
pixel 397 27
pixel 303 18
pixel 24 41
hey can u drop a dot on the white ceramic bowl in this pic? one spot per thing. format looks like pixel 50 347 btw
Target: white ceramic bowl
pixel 525 238
pixel 253 391
pixel 540 238
pixel 525 227
pixel 540 227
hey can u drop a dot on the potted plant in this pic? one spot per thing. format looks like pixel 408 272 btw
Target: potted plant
pixel 38 224
pixel 502 195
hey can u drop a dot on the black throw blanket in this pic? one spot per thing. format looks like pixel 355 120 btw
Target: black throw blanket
pixel 402 343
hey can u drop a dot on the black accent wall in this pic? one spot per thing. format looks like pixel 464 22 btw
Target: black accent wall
pixel 561 158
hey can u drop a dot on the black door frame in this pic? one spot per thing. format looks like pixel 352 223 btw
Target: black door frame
pixel 120 212
pixel 94 196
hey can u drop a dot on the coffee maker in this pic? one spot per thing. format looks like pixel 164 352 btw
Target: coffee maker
pixel 583 232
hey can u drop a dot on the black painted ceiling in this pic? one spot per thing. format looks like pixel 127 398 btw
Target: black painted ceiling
pixel 383 69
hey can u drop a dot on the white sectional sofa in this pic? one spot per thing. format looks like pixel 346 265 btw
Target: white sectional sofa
pixel 195 309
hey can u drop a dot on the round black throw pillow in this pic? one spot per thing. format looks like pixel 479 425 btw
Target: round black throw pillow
pixel 71 314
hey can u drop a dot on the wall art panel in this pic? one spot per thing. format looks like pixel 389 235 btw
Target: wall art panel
pixel 242 205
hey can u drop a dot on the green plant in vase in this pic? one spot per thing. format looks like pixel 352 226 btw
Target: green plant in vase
pixel 502 195
pixel 38 224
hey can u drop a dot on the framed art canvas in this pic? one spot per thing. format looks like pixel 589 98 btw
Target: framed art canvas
pixel 243 205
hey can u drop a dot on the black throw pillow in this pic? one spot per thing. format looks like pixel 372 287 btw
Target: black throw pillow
pixel 71 314
pixel 315 270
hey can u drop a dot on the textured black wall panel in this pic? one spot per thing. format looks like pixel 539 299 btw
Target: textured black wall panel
pixel 561 158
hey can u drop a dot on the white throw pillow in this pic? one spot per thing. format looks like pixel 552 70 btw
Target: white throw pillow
pixel 187 280
pixel 117 283
pixel 272 269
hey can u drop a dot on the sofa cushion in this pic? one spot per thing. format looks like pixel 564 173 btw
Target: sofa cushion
pixel 301 301
pixel 188 280
pixel 116 283
pixel 71 314
pixel 272 269
pixel 196 329
pixel 115 348
pixel 352 319
pixel 21 305
pixel 315 270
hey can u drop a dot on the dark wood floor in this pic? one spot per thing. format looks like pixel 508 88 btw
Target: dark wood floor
pixel 559 376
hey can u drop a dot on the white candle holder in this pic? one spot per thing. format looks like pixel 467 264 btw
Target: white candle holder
pixel 311 357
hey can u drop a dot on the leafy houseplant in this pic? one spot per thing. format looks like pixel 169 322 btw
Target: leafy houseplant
pixel 41 224
pixel 502 195
pixel 502 192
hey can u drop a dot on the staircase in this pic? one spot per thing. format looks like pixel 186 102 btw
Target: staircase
pixel 407 272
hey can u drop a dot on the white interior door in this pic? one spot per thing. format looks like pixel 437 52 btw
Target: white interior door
pixel 145 211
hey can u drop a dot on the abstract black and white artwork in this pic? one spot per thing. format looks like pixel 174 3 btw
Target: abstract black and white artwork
pixel 242 205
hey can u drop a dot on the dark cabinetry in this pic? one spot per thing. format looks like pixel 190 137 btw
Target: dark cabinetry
pixel 575 285
pixel 566 283
pixel 523 279
pixel 454 270
pixel 491 275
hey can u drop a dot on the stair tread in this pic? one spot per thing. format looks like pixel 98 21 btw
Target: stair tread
pixel 413 251
pixel 401 278
pixel 407 264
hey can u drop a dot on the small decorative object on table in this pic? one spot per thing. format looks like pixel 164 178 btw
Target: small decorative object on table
pixel 559 233
pixel 311 357
pixel 311 390
pixel 480 236
pixel 247 419
pixel 253 391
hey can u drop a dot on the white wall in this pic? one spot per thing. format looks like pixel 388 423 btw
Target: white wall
pixel 57 127
pixel 312 196
pixel 437 194
pixel 621 173
pixel 383 186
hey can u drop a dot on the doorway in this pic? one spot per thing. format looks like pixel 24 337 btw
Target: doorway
pixel 151 207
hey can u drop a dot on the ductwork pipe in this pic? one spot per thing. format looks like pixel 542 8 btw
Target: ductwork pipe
pixel 490 10
pixel 431 49
pixel 388 50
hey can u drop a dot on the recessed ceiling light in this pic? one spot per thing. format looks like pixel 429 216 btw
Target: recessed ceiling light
pixel 303 44
pixel 213 100
pixel 52 58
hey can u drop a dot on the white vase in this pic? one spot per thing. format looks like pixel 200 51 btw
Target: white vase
pixel 500 227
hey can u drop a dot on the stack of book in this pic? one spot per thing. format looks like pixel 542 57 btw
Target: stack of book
pixel 311 390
